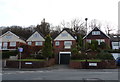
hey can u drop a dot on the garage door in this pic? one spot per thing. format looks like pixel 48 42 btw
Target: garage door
pixel 64 57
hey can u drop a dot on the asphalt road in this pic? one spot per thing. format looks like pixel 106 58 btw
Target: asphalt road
pixel 58 73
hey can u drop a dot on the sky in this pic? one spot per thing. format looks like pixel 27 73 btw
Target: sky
pixel 31 12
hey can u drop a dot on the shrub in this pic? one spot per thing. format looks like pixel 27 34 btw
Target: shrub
pixel 104 56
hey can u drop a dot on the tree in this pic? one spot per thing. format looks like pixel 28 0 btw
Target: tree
pixel 79 42
pixel 43 28
pixel 94 45
pixel 95 23
pixel 47 50
pixel 108 29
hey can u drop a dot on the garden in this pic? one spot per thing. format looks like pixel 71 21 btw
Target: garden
pixel 42 58
pixel 91 55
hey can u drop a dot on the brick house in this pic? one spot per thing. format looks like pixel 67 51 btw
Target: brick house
pixel 115 41
pixel 10 41
pixel 36 41
pixel 62 46
pixel 98 35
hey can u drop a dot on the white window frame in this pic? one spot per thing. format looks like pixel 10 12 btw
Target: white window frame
pixel 12 44
pixel 100 40
pixel 96 33
pixel 5 45
pixel 57 43
pixel 38 43
pixel 67 44
pixel 115 43
pixel 29 43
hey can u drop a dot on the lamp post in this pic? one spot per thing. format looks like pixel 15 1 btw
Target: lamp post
pixel 86 42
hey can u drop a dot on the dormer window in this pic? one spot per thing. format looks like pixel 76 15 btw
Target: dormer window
pixel 96 33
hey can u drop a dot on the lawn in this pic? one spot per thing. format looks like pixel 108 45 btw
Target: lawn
pixel 31 60
pixel 89 60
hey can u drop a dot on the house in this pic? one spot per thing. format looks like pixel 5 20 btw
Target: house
pixel 115 41
pixel 98 35
pixel 10 41
pixel 62 46
pixel 36 40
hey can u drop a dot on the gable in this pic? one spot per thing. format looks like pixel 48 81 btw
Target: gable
pixel 10 37
pixel 64 35
pixel 96 33
pixel 36 37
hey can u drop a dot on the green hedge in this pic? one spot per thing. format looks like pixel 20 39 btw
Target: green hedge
pixel 7 54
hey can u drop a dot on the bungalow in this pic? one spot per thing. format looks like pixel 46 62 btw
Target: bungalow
pixel 115 41
pixel 10 41
pixel 36 40
pixel 62 46
pixel 98 35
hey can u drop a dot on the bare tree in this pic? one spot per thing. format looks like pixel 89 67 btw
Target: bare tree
pixel 108 29
pixel 95 23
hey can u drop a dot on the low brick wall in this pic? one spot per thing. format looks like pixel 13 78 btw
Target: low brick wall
pixel 30 64
pixel 76 65
pixel 107 64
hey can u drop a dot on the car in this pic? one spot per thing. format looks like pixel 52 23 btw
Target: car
pixel 118 61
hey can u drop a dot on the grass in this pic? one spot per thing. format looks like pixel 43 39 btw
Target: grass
pixel 30 60
pixel 89 60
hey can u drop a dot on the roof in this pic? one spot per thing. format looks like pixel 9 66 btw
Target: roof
pixel 32 38
pixel 96 29
pixel 15 38
pixel 68 31
pixel 115 37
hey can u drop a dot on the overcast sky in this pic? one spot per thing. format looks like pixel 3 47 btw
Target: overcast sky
pixel 31 12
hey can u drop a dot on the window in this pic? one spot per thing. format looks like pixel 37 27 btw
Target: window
pixel 5 44
pixel 115 36
pixel 57 43
pixel 38 43
pixel 115 43
pixel 67 44
pixel 8 36
pixel 100 40
pixel 29 43
pixel 12 44
pixel 89 41
pixel 35 35
pixel 96 33
pixel 64 34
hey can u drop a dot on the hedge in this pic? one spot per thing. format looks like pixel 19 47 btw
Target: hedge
pixel 7 54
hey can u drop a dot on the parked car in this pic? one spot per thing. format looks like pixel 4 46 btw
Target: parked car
pixel 118 61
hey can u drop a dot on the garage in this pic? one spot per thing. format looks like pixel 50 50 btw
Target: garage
pixel 64 57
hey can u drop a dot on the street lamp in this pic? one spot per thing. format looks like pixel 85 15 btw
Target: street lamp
pixel 86 42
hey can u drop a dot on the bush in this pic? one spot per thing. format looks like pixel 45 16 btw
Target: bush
pixel 104 56
pixel 7 54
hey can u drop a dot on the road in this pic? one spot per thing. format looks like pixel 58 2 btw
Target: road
pixel 60 74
